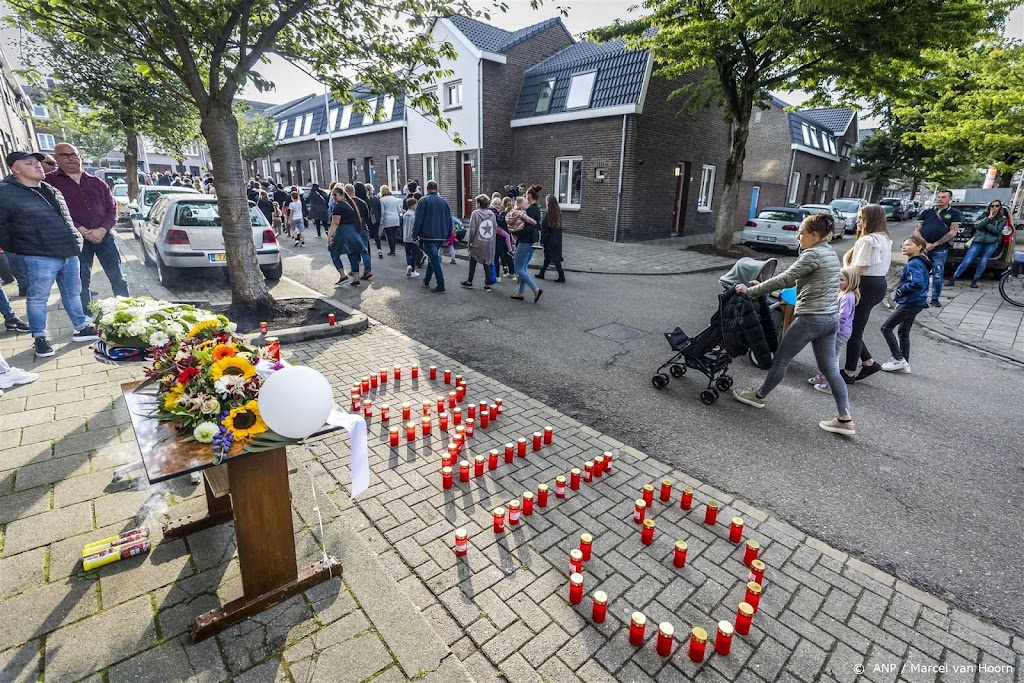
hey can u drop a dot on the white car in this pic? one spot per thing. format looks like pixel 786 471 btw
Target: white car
pixel 183 232
pixel 775 226
pixel 140 207
pixel 849 206
pixel 124 214
pixel 842 222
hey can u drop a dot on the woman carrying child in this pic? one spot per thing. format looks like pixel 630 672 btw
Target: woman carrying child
pixel 522 226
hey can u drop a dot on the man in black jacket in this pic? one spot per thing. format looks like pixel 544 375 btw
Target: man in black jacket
pixel 35 223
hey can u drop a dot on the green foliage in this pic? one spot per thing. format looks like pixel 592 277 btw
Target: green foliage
pixel 257 134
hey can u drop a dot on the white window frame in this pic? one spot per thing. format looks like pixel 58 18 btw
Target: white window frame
pixel 43 138
pixel 335 171
pixel 550 84
pixel 346 117
pixel 429 168
pixel 332 118
pixel 826 183
pixel 580 78
pixel 370 118
pixel 807 134
pixel 307 124
pixel 394 182
pixel 282 130
pixel 314 171
pixel 192 149
pixel 40 112
pixel 449 101
pixel 265 165
pixel 387 108
pixel 568 204
pixel 814 138
pixel 296 126
pixel 705 199
pixel 794 186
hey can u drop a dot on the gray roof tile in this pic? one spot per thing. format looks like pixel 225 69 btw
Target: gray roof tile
pixel 314 104
pixel 493 39
pixel 836 119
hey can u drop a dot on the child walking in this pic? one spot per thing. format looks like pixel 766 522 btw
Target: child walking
pixel 412 250
pixel 295 215
pixel 849 297
pixel 911 296
pixel 278 218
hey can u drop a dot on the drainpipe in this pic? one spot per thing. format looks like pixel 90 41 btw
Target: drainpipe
pixel 330 134
pixel 792 165
pixel 622 165
pixel 405 149
pixel 480 131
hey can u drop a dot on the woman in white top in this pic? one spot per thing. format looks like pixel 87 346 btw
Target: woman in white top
pixel 390 216
pixel 871 256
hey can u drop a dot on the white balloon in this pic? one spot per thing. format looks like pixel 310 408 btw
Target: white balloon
pixel 295 401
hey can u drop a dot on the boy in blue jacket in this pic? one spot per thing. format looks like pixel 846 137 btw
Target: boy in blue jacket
pixel 911 296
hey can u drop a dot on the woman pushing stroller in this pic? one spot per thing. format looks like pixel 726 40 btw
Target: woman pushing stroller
pixel 816 275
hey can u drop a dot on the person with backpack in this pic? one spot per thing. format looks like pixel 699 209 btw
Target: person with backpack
pixel 483 229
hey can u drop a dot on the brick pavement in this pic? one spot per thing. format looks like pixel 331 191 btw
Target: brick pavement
pixel 979 316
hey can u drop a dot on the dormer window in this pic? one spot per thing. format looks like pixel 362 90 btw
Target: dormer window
pixel 282 130
pixel 332 119
pixel 307 124
pixel 346 117
pixel 547 89
pixel 388 108
pixel 807 134
pixel 296 126
pixel 581 89
pixel 814 138
pixel 371 116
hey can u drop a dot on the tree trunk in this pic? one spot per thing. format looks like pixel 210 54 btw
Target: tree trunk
pixel 248 287
pixel 131 160
pixel 914 183
pixel 1004 179
pixel 726 228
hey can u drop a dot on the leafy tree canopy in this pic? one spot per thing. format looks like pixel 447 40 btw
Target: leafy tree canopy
pixel 257 133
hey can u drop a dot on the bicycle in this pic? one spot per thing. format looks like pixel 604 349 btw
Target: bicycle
pixel 1011 284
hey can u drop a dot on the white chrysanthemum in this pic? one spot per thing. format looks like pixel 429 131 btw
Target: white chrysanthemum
pixel 158 339
pixel 205 432
pixel 228 384
pixel 137 328
pixel 232 327
pixel 173 329
pixel 107 319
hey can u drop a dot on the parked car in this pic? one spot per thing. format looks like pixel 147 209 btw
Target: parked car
pixel 140 209
pixel 849 206
pixel 914 208
pixel 1003 255
pixel 775 226
pixel 895 208
pixel 841 221
pixel 183 233
pixel 116 176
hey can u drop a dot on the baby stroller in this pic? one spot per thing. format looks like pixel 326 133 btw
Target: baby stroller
pixel 705 351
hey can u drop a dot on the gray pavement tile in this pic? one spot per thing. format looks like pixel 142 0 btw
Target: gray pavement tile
pixel 21 664
pixel 350 662
pixel 52 470
pixel 38 530
pixel 21 504
pixel 97 642
pixel 165 564
pixel 266 633
pixel 174 660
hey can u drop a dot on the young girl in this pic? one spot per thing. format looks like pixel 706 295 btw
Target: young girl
pixel 412 250
pixel 295 216
pixel 278 218
pixel 911 296
pixel 517 216
pixel 849 296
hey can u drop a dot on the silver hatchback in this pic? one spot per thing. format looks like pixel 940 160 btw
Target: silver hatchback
pixel 183 232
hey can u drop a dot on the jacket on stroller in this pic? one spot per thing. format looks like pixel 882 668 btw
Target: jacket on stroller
pixel 747 325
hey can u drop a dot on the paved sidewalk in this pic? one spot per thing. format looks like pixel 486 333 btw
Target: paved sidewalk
pixel 979 317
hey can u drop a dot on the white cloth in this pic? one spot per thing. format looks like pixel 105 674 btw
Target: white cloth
pixel 874 253
pixel 356 426
pixel 295 208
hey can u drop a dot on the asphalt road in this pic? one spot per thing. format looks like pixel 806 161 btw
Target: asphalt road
pixel 927 489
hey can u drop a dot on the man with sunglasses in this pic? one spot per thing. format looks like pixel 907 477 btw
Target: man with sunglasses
pixel 937 226
pixel 987 233
pixel 94 213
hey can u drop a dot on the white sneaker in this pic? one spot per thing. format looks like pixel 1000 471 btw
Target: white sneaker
pixel 1 392
pixel 408 271
pixel 16 376
pixel 894 365
pixel 414 274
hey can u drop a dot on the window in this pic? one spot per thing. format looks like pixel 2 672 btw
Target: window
pixel 314 171
pixel 388 108
pixel 296 126
pixel 547 88
pixel 832 145
pixel 814 138
pixel 824 188
pixel 371 116
pixel 266 167
pixel 807 134
pixel 346 117
pixel 50 85
pixel 40 112
pixel 332 119
pixel 794 185
pixel 46 141
pixel 453 95
pixel 369 170
pixel 581 88
pixel 351 170
pixel 568 179
pixel 282 129
pixel 307 124
pixel 429 168
pixel 191 149
pixel 393 180
pixel 707 188
pixel 335 171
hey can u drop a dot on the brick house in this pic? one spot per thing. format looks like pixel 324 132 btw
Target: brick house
pixel 800 157
pixel 596 129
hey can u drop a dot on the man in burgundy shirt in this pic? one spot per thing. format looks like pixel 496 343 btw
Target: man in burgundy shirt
pixel 94 213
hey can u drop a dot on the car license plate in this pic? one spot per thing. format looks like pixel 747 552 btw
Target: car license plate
pixel 765 238
pixel 218 258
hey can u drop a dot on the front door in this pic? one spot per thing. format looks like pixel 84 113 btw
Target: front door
pixel 682 171
pixel 467 186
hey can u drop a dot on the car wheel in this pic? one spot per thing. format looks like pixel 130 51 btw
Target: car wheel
pixel 274 273
pixel 168 277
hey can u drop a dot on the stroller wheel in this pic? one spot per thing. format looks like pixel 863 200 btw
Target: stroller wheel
pixel 708 396
pixel 677 370
pixel 724 383
pixel 660 381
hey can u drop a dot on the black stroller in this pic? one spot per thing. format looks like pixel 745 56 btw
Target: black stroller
pixel 705 352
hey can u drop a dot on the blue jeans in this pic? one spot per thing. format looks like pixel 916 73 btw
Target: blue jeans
pixel 364 236
pixel 432 248
pixel 5 305
pixel 938 257
pixel 18 268
pixel 110 259
pixel 980 251
pixel 820 332
pixel 43 271
pixel 346 241
pixel 412 254
pixel 524 252
pixel 901 319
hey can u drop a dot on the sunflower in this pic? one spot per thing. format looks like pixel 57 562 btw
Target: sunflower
pixel 245 421
pixel 173 396
pixel 232 365
pixel 223 351
pixel 201 327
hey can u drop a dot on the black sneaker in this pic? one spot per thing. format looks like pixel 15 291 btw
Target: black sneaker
pixel 439 290
pixel 487 288
pixel 949 282
pixel 16 324
pixel 868 370
pixel 935 304
pixel 426 283
pixel 42 347
pixel 467 283
pixel 849 379
pixel 367 275
pixel 86 334
pixel 539 276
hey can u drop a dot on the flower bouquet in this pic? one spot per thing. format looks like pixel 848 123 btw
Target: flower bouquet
pixel 129 326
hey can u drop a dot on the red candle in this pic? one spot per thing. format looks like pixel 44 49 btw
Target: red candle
pixel 600 610
pixel 608 457
pixel 393 434
pixel 415 371
pixel 492 460
pixel 367 408
pixel 460 435
pixel 460 393
pixel 433 372
pixel 383 374
pixel 458 380
pixel 356 405
pixel 679 555
pixel 498 403
pixel 575 561
pixel 385 413
pixel 484 418
pixel 537 436
pixel 542 495
pixel 599 466
pixel 639 511
pixel 264 328
pixel 647 534
pixel 449 458
pixel 723 639
pixel 398 372
pixel 736 530
pixel 588 471
pixel 576 589
pixel 527 503
pixel 698 643
pixel 447 376
pixel 499 520
pixel 753 596
pixel 751 551
pixel 513 512
pixel 574 479
pixel 586 546
pixel 666 490
pixel 470 425
pixel 756 572
pixel 364 384
pixel 461 542
pixel 686 502
pixel 744 615
pixel 665 638
pixel 521 447
pixel 478 466
pixel 273 345
pixel 509 452
pixel 373 381
pixel 406 411
pixel 457 416
pixel 560 486
pixel 471 411
pixel 356 390
pixel 427 428
pixel 426 407
pixel 711 512
pixel 330 319
pixel 451 399
pixel 446 477
pixel 493 410
pixel 410 431
pixel 464 470
pixel 549 434
pixel 442 421
pixel 648 494
pixel 637 626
